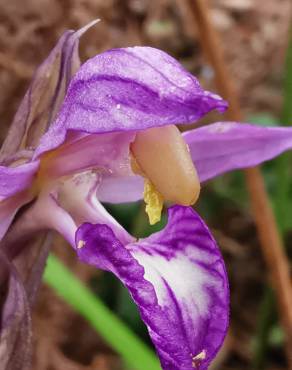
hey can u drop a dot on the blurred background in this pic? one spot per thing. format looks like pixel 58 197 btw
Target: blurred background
pixel 254 36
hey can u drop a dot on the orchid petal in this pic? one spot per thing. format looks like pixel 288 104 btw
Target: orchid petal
pixel 129 89
pixel 37 111
pixel 178 280
pixel 226 146
pixel 44 96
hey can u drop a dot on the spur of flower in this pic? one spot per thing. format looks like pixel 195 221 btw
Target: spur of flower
pixel 105 132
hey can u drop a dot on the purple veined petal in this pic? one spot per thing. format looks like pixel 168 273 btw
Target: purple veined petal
pixel 178 280
pixel 15 328
pixel 129 89
pixel 226 146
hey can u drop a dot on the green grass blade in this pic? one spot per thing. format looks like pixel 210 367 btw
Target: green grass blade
pixel 134 352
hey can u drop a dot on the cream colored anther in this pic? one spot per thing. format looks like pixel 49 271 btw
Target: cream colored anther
pixel 164 159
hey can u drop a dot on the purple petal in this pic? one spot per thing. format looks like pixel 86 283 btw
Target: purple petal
pixel 44 96
pixel 130 89
pixel 37 111
pixel 226 146
pixel 177 278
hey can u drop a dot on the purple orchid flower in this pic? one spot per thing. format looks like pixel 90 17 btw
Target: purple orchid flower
pixel 111 133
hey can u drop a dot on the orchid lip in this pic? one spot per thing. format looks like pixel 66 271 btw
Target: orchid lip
pixel 178 280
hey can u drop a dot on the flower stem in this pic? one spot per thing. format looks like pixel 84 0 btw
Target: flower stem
pixel 270 239
pixel 114 332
